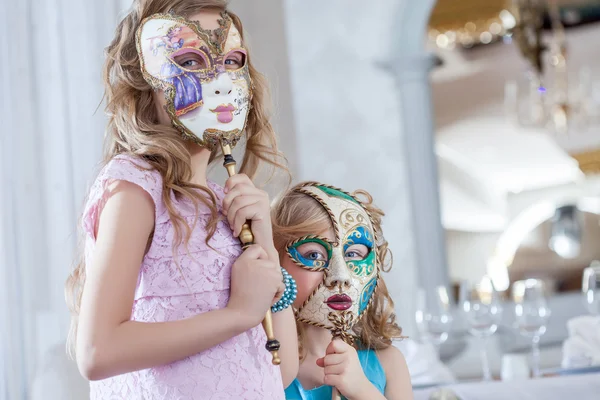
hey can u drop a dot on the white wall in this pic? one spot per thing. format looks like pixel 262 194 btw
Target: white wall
pixel 348 117
pixel 468 253
pixel 266 37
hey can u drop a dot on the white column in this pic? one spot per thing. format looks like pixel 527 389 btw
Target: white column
pixel 413 88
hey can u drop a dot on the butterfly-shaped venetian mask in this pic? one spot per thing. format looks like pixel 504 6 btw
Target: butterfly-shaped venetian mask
pixel 204 75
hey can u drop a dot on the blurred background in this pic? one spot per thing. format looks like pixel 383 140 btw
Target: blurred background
pixel 473 123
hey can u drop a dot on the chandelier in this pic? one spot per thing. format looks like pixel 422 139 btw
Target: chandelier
pixel 465 24
pixel 567 231
pixel 544 98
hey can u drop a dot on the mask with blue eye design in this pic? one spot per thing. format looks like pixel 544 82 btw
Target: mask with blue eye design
pixel 349 263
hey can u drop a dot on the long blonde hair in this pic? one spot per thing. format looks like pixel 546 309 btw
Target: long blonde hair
pixel 296 215
pixel 134 129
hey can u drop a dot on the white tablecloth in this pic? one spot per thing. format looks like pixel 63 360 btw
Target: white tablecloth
pixel 573 387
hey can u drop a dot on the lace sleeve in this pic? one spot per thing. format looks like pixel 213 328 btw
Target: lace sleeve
pixel 125 168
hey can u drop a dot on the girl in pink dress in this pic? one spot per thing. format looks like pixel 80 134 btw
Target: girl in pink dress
pixel 165 303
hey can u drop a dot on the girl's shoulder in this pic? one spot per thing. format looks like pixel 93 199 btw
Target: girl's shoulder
pixel 133 169
pixel 395 369
pixel 390 357
pixel 393 364
pixel 123 167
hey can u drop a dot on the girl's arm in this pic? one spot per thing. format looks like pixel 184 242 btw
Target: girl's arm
pixel 108 343
pixel 398 385
pixel 242 202
pixel 284 327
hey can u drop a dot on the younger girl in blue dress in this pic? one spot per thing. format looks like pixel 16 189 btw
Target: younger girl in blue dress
pixel 331 243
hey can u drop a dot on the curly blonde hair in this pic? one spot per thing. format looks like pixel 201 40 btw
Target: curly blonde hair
pixel 134 129
pixel 295 215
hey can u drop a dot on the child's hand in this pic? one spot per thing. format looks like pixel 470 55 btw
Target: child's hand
pixel 343 370
pixel 243 202
pixel 256 283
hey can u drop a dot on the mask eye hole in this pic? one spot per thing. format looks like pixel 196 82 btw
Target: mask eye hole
pixel 311 253
pixel 358 243
pixel 356 252
pixel 235 59
pixel 190 60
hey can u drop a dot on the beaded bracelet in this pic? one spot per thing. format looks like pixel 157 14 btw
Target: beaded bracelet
pixel 289 295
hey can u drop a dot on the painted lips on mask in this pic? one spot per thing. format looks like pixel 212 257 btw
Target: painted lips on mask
pixel 339 302
pixel 224 113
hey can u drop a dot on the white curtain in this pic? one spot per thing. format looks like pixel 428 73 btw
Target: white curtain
pixel 51 54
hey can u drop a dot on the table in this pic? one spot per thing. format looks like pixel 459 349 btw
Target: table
pixel 566 387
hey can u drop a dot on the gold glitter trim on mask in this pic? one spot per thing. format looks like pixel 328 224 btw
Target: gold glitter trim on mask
pixel 214 137
pixel 189 108
pixel 220 33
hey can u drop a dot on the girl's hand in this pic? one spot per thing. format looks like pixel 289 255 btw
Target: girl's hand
pixel 343 370
pixel 244 202
pixel 256 283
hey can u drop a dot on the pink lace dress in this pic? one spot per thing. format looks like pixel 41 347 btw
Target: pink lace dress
pixel 239 368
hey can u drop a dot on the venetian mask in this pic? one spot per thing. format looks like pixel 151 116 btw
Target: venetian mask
pixel 349 281
pixel 204 75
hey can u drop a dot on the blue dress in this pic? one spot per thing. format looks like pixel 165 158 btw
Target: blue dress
pixel 370 365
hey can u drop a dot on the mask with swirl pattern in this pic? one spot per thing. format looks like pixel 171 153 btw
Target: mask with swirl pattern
pixel 351 266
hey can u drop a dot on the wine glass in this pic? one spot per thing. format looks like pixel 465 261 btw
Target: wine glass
pixel 532 314
pixel 483 312
pixel 591 287
pixel 433 316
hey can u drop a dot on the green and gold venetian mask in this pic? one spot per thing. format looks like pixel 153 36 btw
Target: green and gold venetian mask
pixel 350 262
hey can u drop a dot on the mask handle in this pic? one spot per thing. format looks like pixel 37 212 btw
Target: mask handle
pixel 247 240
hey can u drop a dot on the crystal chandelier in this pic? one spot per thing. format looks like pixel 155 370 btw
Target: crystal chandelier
pixel 468 23
pixel 545 99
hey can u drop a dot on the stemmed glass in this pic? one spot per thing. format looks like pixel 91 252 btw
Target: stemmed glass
pixel 532 314
pixel 591 287
pixel 482 309
pixel 433 316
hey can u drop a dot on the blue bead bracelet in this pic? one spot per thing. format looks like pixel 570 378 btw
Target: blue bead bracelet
pixel 289 294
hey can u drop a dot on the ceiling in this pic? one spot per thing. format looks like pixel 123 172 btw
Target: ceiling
pixel 483 156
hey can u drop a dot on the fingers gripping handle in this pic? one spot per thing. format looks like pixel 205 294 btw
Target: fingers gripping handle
pixel 335 394
pixel 247 239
